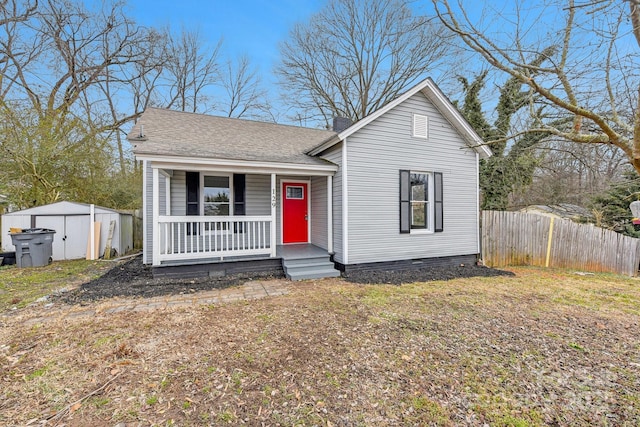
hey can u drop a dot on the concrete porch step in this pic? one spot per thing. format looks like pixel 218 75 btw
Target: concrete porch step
pixel 302 262
pixel 305 261
pixel 317 272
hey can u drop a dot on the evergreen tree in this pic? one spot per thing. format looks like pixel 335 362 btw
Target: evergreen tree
pixel 502 173
pixel 612 207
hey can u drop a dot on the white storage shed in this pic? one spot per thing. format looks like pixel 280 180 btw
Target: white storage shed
pixel 71 222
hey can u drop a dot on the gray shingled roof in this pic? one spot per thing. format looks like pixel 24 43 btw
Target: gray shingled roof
pixel 181 134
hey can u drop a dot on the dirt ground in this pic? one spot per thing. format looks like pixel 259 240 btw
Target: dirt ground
pixel 543 347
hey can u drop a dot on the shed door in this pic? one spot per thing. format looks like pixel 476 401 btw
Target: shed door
pixel 54 223
pixel 77 235
pixel 295 217
pixel 70 240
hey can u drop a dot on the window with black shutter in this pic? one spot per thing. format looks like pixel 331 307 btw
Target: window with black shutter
pixel 421 201
pixel 437 202
pixel 239 205
pixel 193 198
pixel 405 201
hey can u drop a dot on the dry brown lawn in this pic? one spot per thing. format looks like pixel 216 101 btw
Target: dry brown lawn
pixel 546 347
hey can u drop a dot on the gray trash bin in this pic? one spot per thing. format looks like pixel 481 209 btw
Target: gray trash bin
pixel 34 247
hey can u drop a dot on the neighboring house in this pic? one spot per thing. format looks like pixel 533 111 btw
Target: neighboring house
pixel 396 189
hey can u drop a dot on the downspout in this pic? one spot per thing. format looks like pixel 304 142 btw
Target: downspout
pixel 345 206
pixel 330 214
pixel 478 214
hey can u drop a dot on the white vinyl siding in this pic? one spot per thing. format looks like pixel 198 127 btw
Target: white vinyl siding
pixel 319 211
pixel 178 193
pixel 334 155
pixel 257 192
pixel 148 214
pixel 162 184
pixel 376 153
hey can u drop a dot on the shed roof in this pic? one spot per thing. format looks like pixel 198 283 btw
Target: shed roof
pixel 63 208
pixel 176 133
pixel 561 210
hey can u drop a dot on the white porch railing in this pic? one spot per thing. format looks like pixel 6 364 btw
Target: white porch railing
pixel 197 237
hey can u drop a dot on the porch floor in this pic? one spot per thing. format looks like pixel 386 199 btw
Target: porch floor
pixel 299 251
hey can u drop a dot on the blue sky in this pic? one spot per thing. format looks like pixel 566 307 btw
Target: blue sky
pixel 251 27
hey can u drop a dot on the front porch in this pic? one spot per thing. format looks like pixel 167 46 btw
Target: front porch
pixel 225 214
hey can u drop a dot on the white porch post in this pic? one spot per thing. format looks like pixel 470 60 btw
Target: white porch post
pixel 273 215
pixel 155 203
pixel 330 214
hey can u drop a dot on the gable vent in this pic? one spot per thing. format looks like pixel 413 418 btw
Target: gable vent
pixel 420 126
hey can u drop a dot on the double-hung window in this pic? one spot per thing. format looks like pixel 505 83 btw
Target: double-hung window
pixel 216 192
pixel 421 218
pixel 217 195
pixel 421 207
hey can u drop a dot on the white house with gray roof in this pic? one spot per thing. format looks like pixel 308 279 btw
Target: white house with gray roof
pixel 397 189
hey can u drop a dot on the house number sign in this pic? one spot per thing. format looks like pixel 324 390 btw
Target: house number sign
pixel 273 198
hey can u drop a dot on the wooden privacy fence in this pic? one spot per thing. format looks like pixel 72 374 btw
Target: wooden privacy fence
pixel 515 238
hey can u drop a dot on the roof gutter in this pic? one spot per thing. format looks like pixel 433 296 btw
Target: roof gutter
pixel 189 163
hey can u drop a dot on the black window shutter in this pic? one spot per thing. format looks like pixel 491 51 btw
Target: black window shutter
pixel 437 183
pixel 193 186
pixel 405 201
pixel 239 205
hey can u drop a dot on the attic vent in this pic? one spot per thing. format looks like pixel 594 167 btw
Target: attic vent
pixel 420 126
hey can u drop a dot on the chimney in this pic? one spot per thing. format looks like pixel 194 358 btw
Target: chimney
pixel 341 123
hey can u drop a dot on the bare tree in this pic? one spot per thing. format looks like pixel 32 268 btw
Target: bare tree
pixel 12 11
pixel 571 173
pixel 54 140
pixel 139 81
pixel 587 88
pixel 355 55
pixel 191 67
pixel 245 96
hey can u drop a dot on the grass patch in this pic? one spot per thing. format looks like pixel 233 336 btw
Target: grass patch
pixel 37 373
pixel 22 286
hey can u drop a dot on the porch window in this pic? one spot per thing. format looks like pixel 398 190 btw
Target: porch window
pixel 216 195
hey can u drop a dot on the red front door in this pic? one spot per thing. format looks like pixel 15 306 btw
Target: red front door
pixel 295 217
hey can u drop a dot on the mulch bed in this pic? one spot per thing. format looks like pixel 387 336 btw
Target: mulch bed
pixel 427 274
pixel 133 279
